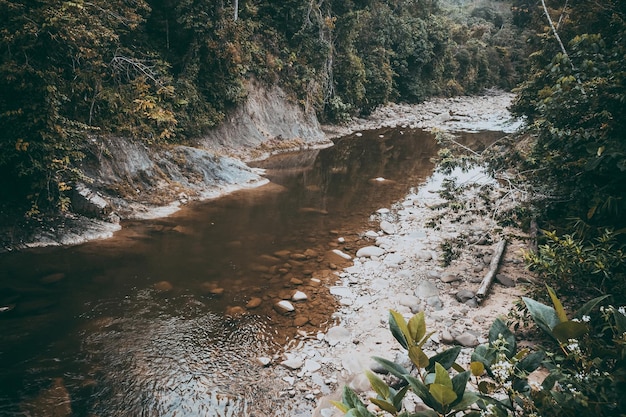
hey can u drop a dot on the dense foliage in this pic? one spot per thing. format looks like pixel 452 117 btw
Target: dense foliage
pixel 166 70
pixel 575 100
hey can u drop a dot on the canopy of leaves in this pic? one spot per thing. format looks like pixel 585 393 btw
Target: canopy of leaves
pixel 575 99
pixel 166 70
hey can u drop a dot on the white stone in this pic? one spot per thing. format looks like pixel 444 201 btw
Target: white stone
pixel 311 365
pixel 372 234
pixel 299 296
pixel 342 254
pixel 369 251
pixel 340 291
pixel 264 361
pixel 292 364
pixel 285 306
pixel 337 335
pixel 387 227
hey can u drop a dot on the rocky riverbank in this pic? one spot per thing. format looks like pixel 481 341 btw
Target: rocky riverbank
pixel 402 269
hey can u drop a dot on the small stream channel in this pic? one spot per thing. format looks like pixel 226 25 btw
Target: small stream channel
pixel 162 319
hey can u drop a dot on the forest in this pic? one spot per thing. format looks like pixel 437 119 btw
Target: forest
pixel 165 71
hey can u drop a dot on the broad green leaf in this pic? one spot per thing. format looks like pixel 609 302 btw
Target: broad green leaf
pixel 459 383
pixel 590 305
pixel 477 368
pixel 486 387
pixel 443 394
pixel 442 377
pixel 560 311
pixel 341 406
pixel 500 328
pixel 445 358
pixel 468 399
pixel 349 397
pixel 544 316
pixel 397 398
pixel 390 408
pixel 569 330
pixel 421 391
pixel 399 328
pixel 392 367
pixel 417 326
pixel 531 362
pixel 418 357
pixel 378 384
pixel 363 412
pixel 485 355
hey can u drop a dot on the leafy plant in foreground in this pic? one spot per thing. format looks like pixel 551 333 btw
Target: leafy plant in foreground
pixel 584 376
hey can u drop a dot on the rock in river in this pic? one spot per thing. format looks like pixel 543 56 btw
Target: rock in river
pixel 284 307
pixel 370 251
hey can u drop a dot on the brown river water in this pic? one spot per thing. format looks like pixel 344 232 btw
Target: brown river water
pixel 161 319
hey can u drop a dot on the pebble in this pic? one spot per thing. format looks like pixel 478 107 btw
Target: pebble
pixel 448 278
pixel 292 364
pixel 467 340
pixel 342 254
pixel 387 227
pixel 370 251
pixel 464 295
pixel 505 280
pixel 284 307
pixel 299 296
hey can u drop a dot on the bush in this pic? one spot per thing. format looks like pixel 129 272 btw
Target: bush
pixel 585 361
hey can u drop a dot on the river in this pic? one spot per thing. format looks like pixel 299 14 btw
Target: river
pixel 170 316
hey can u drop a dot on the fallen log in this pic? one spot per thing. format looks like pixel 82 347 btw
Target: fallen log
pixel 491 273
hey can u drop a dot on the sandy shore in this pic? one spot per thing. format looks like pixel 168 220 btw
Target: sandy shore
pixel 402 269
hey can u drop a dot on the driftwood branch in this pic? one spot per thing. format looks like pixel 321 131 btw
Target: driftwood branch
pixel 493 268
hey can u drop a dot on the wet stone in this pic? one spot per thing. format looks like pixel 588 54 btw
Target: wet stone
pixel 253 303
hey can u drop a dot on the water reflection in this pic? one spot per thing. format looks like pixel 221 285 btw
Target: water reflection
pixel 168 316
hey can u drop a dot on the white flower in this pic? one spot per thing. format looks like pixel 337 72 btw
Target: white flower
pixel 622 310
pixel 572 346
pixel 586 318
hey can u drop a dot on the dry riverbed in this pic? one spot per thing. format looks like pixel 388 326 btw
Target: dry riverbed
pixel 401 269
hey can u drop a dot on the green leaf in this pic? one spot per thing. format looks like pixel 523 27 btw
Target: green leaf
pixel 378 384
pixel 445 358
pixel 500 328
pixel 477 368
pixel 341 406
pixel 560 311
pixel 397 398
pixel 349 398
pixel 531 361
pixel 417 326
pixel 545 317
pixel 399 328
pixel 443 394
pixel 589 306
pixel 442 377
pixel 468 399
pixel 485 355
pixel 418 357
pixel 459 383
pixel 392 367
pixel 569 330
pixel 421 391
pixel 390 408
